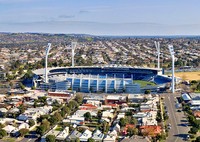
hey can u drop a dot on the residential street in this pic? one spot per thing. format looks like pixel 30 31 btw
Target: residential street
pixel 179 125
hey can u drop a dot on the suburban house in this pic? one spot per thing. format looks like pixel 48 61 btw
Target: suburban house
pixel 63 134
pixel 150 130
pixel 98 136
pixel 85 135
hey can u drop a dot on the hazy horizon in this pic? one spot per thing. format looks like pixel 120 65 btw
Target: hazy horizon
pixel 101 17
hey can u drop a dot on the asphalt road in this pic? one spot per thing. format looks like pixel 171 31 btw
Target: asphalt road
pixel 179 125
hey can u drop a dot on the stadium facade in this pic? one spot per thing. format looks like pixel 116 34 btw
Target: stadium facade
pixel 106 79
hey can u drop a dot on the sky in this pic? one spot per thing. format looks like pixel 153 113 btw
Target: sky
pixel 101 17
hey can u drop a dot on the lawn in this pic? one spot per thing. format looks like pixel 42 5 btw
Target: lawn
pixel 59 128
pixel 8 139
pixel 188 75
pixel 144 83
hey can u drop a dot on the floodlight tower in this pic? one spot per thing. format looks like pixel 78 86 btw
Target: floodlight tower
pixel 171 50
pixel 46 62
pixel 73 44
pixel 72 48
pixel 157 44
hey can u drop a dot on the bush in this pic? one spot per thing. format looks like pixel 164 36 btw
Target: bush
pixel 23 132
pixel 3 133
pixel 31 122
pixel 192 136
pixel 193 130
pixel 197 139
pixel 50 138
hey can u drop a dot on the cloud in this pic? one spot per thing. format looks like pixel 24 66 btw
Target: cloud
pixel 66 16
pixel 84 11
pixel 95 9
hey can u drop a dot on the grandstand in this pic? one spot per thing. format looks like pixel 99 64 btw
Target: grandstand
pixel 106 79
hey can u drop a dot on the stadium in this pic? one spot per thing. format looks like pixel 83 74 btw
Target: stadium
pixel 105 79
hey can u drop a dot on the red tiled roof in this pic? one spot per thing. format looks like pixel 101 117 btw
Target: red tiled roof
pixel 151 130
pixel 197 113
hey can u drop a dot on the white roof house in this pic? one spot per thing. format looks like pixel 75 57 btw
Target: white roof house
pixel 74 119
pixel 98 135
pixel 10 128
pixel 23 125
pixel 120 115
pixel 4 110
pixel 82 112
pixel 113 133
pixel 85 135
pixel 186 97
pixel 195 102
pixel 107 113
pixel 109 138
pixel 63 134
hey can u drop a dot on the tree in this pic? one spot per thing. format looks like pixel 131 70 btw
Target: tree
pixel 41 129
pixel 53 120
pixel 133 121
pixel 46 124
pixel 122 122
pixel 23 132
pixel 87 116
pixel 135 131
pixel 31 122
pixel 77 140
pixel 72 105
pixel 58 116
pixel 66 110
pixel 91 140
pixel 21 108
pixel 193 130
pixel 50 138
pixel 21 86
pixel 197 139
pixel 3 133
pixel 79 98
pixel 1 125
pixel 147 92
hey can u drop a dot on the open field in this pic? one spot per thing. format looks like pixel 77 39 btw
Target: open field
pixel 188 75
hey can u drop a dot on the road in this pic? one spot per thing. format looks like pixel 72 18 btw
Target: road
pixel 178 121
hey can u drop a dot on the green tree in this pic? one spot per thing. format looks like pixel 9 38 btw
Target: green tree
pixel 91 140
pixel 79 98
pixel 21 108
pixel 193 130
pixel 58 116
pixel 21 86
pixel 135 131
pixel 133 121
pixel 1 125
pixel 77 140
pixel 23 132
pixel 46 124
pixel 147 92
pixel 87 116
pixel 66 110
pixel 53 120
pixel 72 105
pixel 3 133
pixel 197 139
pixel 41 129
pixel 122 122
pixel 31 122
pixel 50 138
